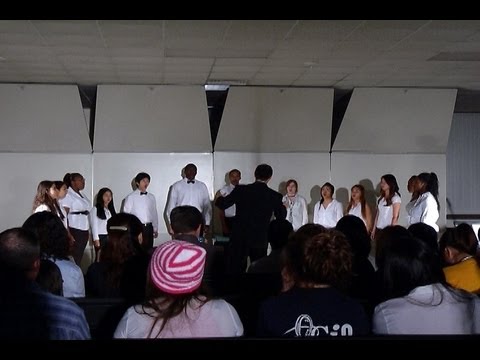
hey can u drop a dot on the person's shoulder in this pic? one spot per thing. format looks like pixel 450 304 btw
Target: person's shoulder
pixel 131 194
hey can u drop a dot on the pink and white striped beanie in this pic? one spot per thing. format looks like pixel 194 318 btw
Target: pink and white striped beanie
pixel 177 267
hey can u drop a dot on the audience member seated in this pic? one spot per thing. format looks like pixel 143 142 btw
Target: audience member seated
pixel 458 246
pixel 122 268
pixel 381 248
pixel 187 223
pixel 425 233
pixel 27 311
pixel 55 246
pixel 420 302
pixel 175 307
pixel 279 231
pixel 50 278
pixel 363 273
pixel 318 269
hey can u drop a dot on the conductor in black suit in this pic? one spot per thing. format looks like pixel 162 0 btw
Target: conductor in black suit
pixel 255 203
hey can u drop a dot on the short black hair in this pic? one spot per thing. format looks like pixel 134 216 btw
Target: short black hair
pixel 185 218
pixel 19 248
pixel 263 172
pixel 140 176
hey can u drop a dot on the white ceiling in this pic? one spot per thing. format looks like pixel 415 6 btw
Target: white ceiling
pixel 328 53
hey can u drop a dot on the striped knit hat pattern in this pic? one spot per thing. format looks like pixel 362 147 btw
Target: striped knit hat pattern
pixel 177 267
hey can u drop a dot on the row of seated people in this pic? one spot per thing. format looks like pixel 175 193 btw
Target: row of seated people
pixel 312 276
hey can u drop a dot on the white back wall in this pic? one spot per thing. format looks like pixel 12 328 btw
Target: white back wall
pixel 349 169
pixel 22 173
pixel 117 171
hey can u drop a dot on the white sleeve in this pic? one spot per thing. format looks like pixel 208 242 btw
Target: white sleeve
pixel 207 206
pixel 154 214
pixel 379 324
pixel 121 330
pixel 338 210
pixel 304 211
pixel 41 208
pixel 316 211
pixel 94 222
pixel 430 214
pixel 127 205
pixel 172 201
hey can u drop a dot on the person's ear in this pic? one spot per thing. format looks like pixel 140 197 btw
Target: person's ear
pixel 198 230
pixel 34 270
pixel 140 238
pixel 449 255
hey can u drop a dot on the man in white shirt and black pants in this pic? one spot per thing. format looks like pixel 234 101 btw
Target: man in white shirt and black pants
pixel 143 205
pixel 190 191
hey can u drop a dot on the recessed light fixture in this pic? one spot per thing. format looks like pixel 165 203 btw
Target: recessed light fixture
pixel 2 58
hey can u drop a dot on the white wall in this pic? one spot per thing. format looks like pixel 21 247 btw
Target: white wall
pixel 349 169
pixel 117 170
pixel 21 174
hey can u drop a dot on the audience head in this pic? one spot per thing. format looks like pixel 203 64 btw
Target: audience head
pixel 425 233
pixel 51 234
pixel 356 233
pixel 382 239
pixel 457 242
pixel 50 278
pixel 308 230
pixel 234 176
pixel 186 219
pixel 263 172
pixel 321 259
pixel 19 253
pixel 176 267
pixel 409 263
pixel 279 231
pixel 124 238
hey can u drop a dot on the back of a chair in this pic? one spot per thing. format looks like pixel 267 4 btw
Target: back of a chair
pixel 102 314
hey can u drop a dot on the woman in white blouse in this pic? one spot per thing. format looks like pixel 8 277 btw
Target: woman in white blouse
pixel 388 209
pixel 426 207
pixel 359 207
pixel 77 206
pixel 296 205
pixel 327 211
pixel 103 210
